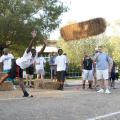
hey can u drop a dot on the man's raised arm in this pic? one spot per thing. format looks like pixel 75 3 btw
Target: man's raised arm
pixel 33 33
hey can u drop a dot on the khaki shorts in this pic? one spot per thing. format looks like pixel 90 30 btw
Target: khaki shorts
pixel 102 74
pixel 87 74
pixel 40 71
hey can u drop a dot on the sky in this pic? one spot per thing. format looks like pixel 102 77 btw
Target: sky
pixel 82 10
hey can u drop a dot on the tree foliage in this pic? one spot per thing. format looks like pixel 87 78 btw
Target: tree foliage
pixel 18 19
pixel 113 48
pixel 78 48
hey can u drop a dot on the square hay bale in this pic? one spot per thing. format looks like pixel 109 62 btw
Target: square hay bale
pixel 36 84
pixel 83 29
pixel 48 84
pixel 6 86
pixel 3 77
pixel 51 85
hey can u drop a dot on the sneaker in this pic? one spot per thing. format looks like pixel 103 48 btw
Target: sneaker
pixel 60 87
pixel 83 86
pixel 107 91
pixel 26 94
pixel 14 87
pixel 100 91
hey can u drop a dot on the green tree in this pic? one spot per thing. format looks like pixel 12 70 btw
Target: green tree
pixel 113 47
pixel 18 19
pixel 76 49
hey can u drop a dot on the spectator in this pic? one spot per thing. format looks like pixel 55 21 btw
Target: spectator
pixel 53 66
pixel 103 68
pixel 6 60
pixel 61 62
pixel 117 72
pixel 87 71
pixel 39 65
pixel 95 81
pixel 66 70
pixel 112 76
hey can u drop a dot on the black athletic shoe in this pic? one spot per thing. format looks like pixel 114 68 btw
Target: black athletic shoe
pixel 60 87
pixel 26 94
pixel 83 86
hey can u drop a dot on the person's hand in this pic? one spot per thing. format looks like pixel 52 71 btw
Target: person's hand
pixel 34 33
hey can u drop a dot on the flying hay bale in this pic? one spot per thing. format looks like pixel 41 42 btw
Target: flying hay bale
pixel 83 29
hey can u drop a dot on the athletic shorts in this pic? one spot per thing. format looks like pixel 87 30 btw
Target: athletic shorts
pixel 8 72
pixel 102 74
pixel 112 77
pixel 61 76
pixel 30 70
pixel 87 74
pixel 40 71
pixel 19 72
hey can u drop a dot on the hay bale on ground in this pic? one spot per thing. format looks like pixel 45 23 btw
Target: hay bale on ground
pixel 83 29
pixel 51 85
pixel 48 84
pixel 3 77
pixel 36 84
pixel 6 86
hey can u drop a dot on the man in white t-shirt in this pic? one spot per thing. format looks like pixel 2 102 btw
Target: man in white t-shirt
pixel 25 61
pixel 6 60
pixel 61 63
pixel 39 66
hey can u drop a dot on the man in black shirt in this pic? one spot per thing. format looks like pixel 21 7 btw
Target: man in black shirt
pixel 87 71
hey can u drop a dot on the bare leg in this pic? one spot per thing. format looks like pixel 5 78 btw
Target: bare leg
pixel 95 81
pixel 90 84
pixel 3 78
pixel 83 84
pixel 22 86
pixel 101 84
pixel 107 84
pixel 30 80
pixel 61 84
pixel 113 82
pixel 38 77
pixel 51 74
pixel 42 80
pixel 27 77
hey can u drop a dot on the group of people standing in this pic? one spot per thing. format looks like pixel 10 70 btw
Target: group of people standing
pixel 101 69
pixel 100 66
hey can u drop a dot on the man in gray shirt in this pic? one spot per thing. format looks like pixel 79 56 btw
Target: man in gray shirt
pixel 53 67
pixel 103 69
